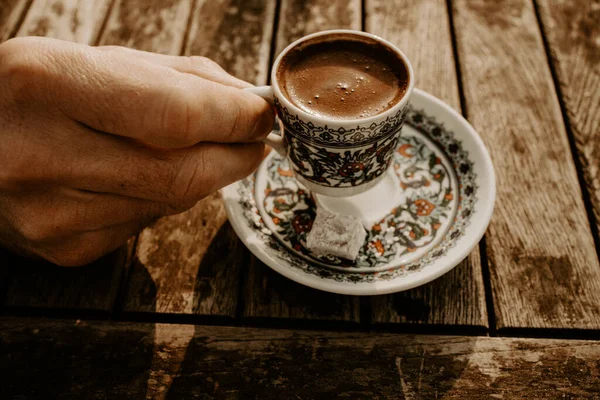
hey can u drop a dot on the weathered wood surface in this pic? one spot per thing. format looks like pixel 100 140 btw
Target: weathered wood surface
pixel 194 259
pixel 544 270
pixel 299 18
pixel 11 13
pixel 266 293
pixel 269 295
pixel 5 273
pixel 157 26
pixel 572 30
pixel 125 360
pixel 38 284
pixel 187 264
pixel 93 287
pixel 74 20
pixel 421 30
pixel 236 34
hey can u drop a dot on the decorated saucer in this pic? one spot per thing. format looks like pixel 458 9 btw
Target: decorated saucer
pixel 422 219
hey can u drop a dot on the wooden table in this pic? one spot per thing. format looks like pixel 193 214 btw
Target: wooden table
pixel 185 311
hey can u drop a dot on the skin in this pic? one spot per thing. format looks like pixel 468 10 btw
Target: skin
pixel 98 142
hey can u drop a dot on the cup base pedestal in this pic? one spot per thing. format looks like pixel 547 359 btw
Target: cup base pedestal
pixel 369 206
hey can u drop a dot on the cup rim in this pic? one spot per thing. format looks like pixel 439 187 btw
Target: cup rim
pixel 360 121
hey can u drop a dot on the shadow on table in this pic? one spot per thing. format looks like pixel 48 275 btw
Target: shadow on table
pixel 260 363
pixel 47 358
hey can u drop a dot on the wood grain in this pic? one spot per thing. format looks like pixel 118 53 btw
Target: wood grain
pixel 187 264
pixel 125 360
pixel 572 30
pixel 236 34
pixel 195 259
pixel 270 295
pixel 266 293
pixel 543 265
pixel 299 18
pixel 157 26
pixel 421 30
pixel 39 284
pixel 93 287
pixel 11 12
pixel 74 20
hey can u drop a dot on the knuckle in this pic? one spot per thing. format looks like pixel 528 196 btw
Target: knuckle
pixel 35 230
pixel 194 177
pixel 201 62
pixel 177 120
pixel 23 68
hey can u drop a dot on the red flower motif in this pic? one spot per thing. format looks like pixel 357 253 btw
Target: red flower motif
pixel 284 172
pixel 379 246
pixel 302 223
pixel 424 207
pixel 351 168
pixel 403 150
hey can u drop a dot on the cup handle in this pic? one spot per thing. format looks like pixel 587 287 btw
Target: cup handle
pixel 273 139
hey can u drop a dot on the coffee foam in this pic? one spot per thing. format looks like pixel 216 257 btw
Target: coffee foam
pixel 343 77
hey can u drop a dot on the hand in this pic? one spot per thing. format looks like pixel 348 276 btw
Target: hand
pixel 96 143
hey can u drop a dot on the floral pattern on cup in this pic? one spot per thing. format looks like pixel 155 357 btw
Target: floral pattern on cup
pixel 467 201
pixel 336 167
pixel 428 206
pixel 332 137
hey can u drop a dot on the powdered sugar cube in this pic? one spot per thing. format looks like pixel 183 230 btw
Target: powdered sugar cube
pixel 336 235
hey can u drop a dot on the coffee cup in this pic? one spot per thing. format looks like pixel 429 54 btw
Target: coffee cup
pixel 339 142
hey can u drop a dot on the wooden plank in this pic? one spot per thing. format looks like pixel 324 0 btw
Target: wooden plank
pixel 421 29
pixel 572 30
pixel 299 18
pixel 124 360
pixel 543 265
pixel 74 20
pixel 5 273
pixel 45 286
pixel 236 34
pixel 270 295
pixel 266 293
pixel 11 12
pixel 157 26
pixel 187 264
pixel 39 284
pixel 194 259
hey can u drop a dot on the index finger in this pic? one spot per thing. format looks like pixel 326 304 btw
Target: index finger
pixel 152 103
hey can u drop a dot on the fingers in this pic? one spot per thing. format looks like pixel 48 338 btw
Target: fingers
pixel 179 177
pixel 64 212
pixel 119 94
pixel 85 248
pixel 69 155
pixel 199 66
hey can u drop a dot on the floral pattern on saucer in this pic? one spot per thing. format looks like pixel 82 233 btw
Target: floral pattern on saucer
pixel 467 188
pixel 421 217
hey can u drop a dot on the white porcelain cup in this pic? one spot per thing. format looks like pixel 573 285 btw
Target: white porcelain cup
pixel 333 157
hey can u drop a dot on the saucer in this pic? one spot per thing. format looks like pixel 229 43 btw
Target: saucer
pixel 422 219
